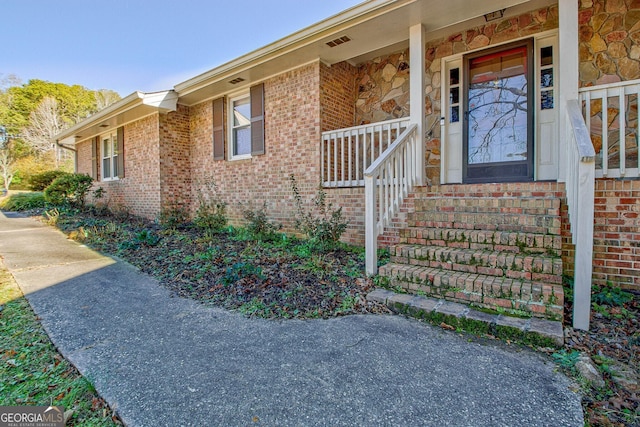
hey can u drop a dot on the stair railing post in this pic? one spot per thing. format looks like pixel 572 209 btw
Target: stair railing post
pixel 371 229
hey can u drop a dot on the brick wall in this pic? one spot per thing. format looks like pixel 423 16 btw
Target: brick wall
pixel 139 191
pixel 175 166
pixel 292 135
pixel 337 96
pixel 83 159
pixel 616 251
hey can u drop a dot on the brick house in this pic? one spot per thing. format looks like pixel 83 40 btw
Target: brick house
pixel 490 172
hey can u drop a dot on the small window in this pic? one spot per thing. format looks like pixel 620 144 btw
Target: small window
pixel 109 157
pixel 240 127
pixel 546 78
pixel 454 95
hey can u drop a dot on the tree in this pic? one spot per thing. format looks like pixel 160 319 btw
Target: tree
pixel 105 97
pixel 44 123
pixel 35 112
pixel 7 170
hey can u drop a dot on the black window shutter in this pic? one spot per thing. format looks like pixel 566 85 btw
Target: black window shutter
pixel 120 149
pixel 94 157
pixel 257 120
pixel 218 129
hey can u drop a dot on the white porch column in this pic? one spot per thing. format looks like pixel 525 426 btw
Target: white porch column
pixel 569 67
pixel 417 78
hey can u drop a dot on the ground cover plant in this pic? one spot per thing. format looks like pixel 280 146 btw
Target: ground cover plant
pixel 33 373
pixel 613 343
pixel 255 269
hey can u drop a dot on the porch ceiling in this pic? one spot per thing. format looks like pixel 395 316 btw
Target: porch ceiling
pixel 373 27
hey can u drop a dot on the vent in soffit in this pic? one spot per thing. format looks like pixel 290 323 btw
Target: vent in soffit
pixel 338 41
pixel 236 80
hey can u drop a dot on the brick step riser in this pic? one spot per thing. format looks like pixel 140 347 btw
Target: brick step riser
pixel 485 240
pixel 499 264
pixel 535 298
pixel 515 206
pixel 544 223
pixel 494 190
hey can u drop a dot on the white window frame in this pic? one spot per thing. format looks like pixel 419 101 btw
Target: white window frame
pixel 231 127
pixel 112 158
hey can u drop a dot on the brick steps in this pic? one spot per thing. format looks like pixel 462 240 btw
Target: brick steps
pixel 483 239
pixel 539 299
pixel 536 267
pixel 494 246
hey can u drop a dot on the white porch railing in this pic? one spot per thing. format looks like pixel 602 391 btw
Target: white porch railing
pixel 580 184
pixel 347 153
pixel 611 114
pixel 387 181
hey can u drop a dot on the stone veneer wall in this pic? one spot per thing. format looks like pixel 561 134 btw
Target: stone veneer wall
pixel 383 89
pixel 474 38
pixel 609 41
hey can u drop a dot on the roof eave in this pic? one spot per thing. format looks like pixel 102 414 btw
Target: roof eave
pixel 132 107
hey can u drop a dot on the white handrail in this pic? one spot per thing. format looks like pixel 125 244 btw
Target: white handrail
pixel 614 120
pixel 580 186
pixel 346 153
pixel 387 182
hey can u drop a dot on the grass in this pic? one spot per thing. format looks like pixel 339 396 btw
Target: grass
pixel 33 373
pixel 23 201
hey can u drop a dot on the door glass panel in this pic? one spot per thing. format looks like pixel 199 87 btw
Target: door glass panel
pixel 497 107
pixel 454 95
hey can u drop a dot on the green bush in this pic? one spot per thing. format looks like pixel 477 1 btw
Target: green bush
pixel 322 223
pixel 40 181
pixel 173 217
pixel 68 189
pixel 258 224
pixel 211 215
pixel 23 201
pixel 611 295
pixel 211 218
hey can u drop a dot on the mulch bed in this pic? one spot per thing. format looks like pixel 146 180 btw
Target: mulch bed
pixel 281 277
pixel 613 340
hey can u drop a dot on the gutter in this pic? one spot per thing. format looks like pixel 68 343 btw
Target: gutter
pixel 64 146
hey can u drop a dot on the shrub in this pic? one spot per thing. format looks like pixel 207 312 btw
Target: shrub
pixel 258 225
pixel 23 201
pixel 68 189
pixel 40 181
pixel 173 217
pixel 211 215
pixel 322 223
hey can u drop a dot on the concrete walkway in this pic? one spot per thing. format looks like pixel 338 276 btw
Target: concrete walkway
pixel 167 361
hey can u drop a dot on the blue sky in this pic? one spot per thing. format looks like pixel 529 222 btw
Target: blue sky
pixel 146 45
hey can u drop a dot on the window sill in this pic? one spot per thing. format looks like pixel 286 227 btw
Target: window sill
pixel 242 157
